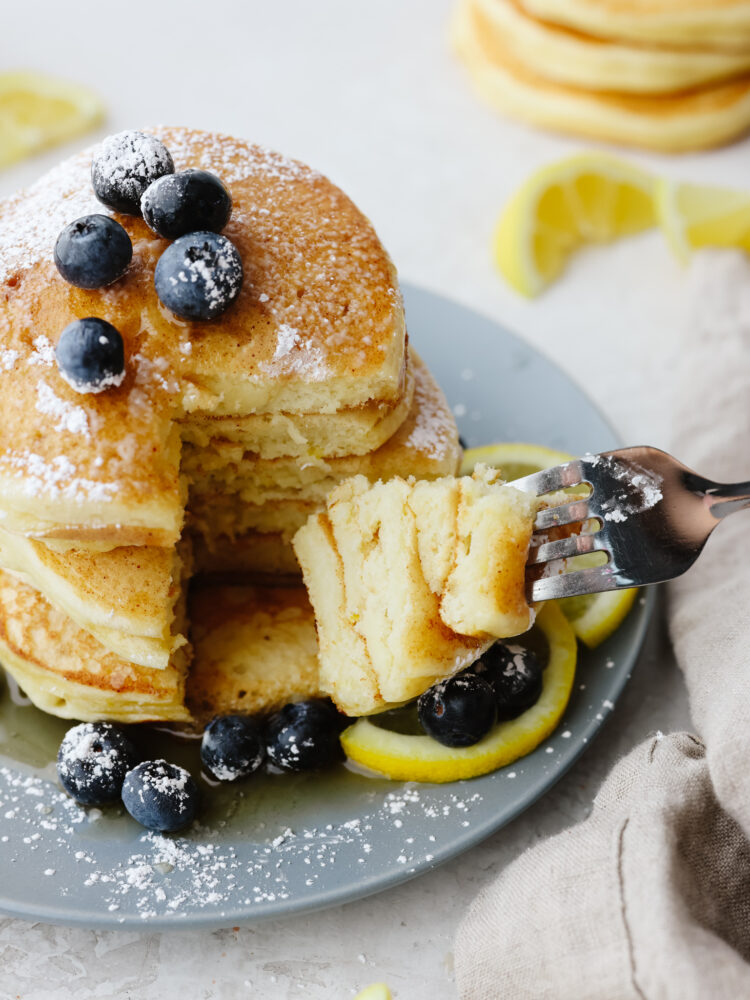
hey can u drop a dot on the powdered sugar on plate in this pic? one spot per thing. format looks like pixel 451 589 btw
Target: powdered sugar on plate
pixel 170 878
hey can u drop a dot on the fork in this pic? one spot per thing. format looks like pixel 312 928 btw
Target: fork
pixel 646 511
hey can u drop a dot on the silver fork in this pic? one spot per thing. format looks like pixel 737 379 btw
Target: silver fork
pixel 654 516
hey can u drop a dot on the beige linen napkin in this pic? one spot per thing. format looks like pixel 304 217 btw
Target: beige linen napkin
pixel 649 898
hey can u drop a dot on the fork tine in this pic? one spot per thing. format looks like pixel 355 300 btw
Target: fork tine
pixel 584 581
pixel 550 480
pixel 565 548
pixel 566 513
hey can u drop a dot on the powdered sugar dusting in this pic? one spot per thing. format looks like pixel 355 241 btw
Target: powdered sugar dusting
pixel 32 220
pixel 434 432
pixel 8 358
pixel 70 418
pixel 288 338
pixel 232 159
pixel 56 478
pixel 43 353
pixel 295 355
pixel 205 871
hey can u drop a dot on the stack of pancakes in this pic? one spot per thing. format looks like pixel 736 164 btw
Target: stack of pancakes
pixel 222 439
pixel 663 74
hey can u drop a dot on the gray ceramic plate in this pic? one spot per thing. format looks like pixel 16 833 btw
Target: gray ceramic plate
pixel 285 844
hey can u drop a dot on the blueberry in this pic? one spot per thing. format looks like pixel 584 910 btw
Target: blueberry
pixel 199 276
pixel 515 675
pixel 188 202
pixel 160 796
pixel 459 711
pixel 124 166
pixel 93 251
pixel 90 355
pixel 304 736
pixel 232 747
pixel 92 762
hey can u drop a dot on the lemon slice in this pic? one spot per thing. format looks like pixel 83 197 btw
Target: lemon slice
pixel 378 991
pixel 594 617
pixel 516 459
pixel 37 111
pixel 694 215
pixel 588 198
pixel 420 758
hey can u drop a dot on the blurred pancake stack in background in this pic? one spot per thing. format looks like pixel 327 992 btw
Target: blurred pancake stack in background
pixel 666 75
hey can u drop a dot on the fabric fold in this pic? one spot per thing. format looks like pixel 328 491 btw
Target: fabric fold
pixel 649 898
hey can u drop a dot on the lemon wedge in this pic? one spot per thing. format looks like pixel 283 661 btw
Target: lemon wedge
pixel 37 111
pixel 378 991
pixel 695 215
pixel 588 198
pixel 516 459
pixel 594 617
pixel 421 758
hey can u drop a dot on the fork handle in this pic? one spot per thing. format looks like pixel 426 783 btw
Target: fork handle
pixel 726 498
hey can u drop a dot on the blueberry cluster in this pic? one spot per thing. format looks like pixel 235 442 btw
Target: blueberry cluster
pixel 502 684
pixel 97 764
pixel 302 736
pixel 198 277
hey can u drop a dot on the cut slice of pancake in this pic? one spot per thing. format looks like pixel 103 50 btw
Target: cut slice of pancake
pixel 697 119
pixel 595 63
pixel 425 445
pixel 720 24
pixel 255 650
pixel 318 327
pixel 65 671
pixel 411 582
pixel 127 598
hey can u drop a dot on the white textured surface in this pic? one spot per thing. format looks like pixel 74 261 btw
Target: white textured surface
pixel 369 94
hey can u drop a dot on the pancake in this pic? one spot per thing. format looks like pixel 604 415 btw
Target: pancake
pixel 65 671
pixel 412 581
pixel 318 327
pixel 425 445
pixel 255 650
pixel 720 24
pixel 599 64
pixel 127 598
pixel 274 498
pixel 698 119
pixel 352 431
